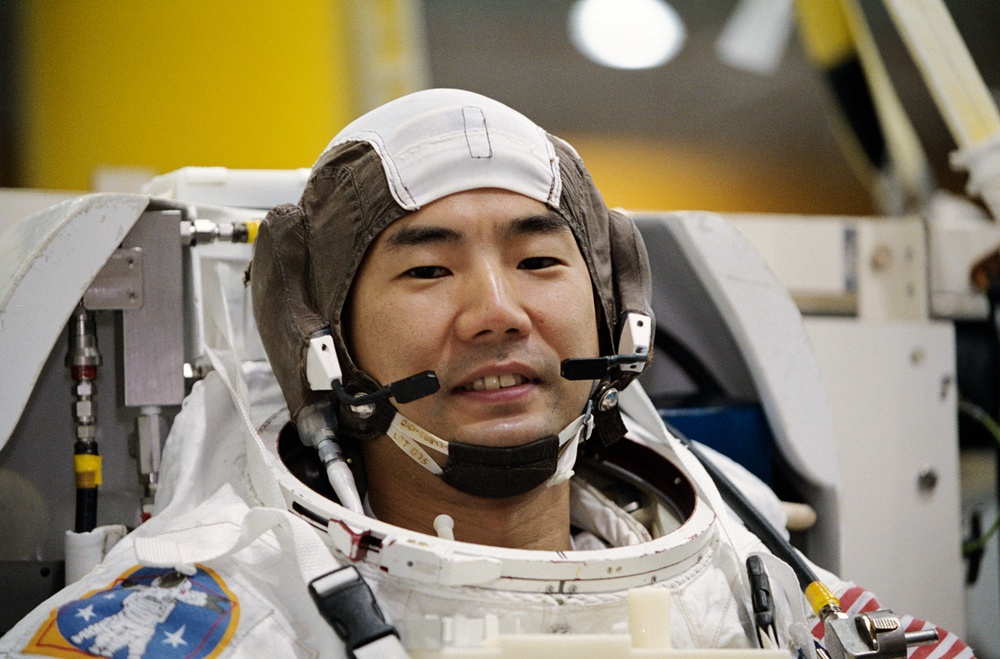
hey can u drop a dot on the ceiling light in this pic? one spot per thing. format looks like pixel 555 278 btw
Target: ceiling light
pixel 626 34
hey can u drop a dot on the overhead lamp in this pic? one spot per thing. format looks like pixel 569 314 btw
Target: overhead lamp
pixel 626 34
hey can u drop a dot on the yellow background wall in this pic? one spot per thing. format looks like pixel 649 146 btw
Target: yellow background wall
pixel 161 85
pixel 660 174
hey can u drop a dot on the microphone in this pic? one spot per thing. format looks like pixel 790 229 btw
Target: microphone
pixel 404 391
pixel 595 368
pixel 634 345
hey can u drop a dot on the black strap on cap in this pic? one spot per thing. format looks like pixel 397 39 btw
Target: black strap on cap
pixel 348 604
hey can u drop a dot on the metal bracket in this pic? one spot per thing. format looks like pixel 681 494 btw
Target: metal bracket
pixel 153 334
pixel 119 283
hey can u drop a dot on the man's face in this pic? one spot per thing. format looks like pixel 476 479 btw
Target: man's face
pixel 488 289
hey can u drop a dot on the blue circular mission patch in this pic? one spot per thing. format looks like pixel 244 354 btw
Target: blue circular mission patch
pixel 146 612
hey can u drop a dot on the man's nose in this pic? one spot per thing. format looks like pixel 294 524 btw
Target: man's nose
pixel 492 306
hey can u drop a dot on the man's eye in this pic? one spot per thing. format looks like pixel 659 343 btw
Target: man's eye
pixel 427 272
pixel 537 263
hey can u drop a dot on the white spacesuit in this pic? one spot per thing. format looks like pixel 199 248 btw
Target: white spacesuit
pixel 297 565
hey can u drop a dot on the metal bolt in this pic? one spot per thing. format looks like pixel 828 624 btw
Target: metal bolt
pixel 609 400
pixel 363 411
pixel 84 409
pixel 187 232
pixel 205 231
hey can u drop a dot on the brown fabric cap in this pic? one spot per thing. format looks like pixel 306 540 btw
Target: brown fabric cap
pixel 306 257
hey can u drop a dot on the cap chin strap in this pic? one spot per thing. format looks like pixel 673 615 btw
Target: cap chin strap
pixel 494 471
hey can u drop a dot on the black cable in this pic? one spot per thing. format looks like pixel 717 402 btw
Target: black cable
pixel 86 509
pixel 752 517
pixel 688 362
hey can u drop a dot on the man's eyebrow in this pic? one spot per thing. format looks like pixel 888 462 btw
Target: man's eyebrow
pixel 413 236
pixel 550 222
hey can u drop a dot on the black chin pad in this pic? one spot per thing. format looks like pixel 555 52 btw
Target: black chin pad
pixel 495 472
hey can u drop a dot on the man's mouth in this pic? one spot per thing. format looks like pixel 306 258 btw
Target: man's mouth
pixel 493 382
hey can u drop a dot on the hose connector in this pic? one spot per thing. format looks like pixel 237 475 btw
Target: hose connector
pixel 316 424
pixel 822 600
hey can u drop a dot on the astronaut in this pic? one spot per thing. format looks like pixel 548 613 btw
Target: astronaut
pixel 142 610
pixel 447 447
pixel 446 233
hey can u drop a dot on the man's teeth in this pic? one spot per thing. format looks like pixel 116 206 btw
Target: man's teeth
pixel 491 382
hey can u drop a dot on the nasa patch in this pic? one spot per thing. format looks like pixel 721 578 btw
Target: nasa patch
pixel 146 612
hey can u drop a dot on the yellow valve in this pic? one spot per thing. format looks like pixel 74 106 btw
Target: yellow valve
pixel 252 227
pixel 88 470
pixel 821 597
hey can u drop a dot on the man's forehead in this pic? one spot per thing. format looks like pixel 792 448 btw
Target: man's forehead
pixel 503 213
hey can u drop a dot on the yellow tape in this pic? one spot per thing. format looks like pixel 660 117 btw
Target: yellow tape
pixel 824 30
pixel 819 597
pixel 88 470
pixel 252 227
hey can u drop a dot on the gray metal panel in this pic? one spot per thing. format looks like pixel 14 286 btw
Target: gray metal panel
pixel 154 333
pixel 683 307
